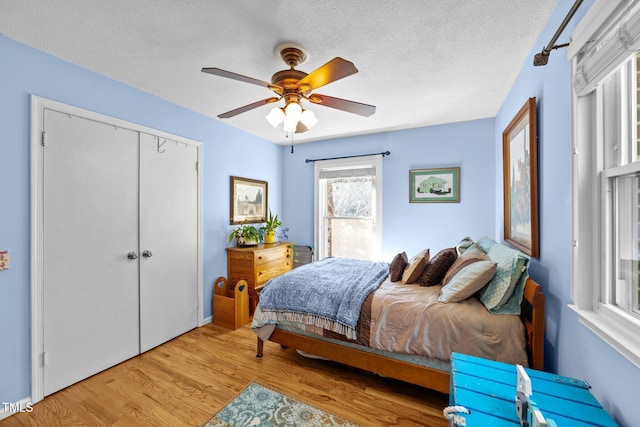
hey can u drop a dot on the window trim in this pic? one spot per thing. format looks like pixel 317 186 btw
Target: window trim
pixel 376 162
pixel 591 209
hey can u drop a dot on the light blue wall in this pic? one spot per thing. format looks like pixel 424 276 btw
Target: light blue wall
pixel 571 349
pixel 26 71
pixel 409 227
pixel 474 146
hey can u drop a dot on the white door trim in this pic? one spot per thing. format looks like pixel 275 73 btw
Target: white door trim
pixel 38 105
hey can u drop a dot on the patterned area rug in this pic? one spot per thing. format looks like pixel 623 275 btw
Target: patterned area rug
pixel 260 406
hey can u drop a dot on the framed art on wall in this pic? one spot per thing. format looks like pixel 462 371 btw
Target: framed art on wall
pixel 520 180
pixel 248 200
pixel 434 185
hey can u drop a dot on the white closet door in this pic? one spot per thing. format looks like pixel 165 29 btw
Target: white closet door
pixel 168 231
pixel 90 287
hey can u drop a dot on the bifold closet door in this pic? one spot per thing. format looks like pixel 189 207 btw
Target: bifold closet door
pixel 168 239
pixel 90 289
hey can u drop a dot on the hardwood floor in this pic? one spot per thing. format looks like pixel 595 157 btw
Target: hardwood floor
pixel 187 380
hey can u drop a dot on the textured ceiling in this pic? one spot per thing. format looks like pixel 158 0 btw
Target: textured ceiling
pixel 420 62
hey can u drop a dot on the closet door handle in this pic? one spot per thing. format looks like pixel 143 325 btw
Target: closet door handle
pixel 132 255
pixel 147 254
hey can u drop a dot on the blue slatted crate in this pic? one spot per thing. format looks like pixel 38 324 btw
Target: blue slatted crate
pixel 488 389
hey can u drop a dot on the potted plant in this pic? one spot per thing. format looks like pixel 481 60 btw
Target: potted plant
pixel 269 227
pixel 245 235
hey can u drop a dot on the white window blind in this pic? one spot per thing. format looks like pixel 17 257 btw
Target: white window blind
pixel 610 47
pixel 347 173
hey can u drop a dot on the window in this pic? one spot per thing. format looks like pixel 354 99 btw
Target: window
pixel 624 231
pixel 348 208
pixel 606 174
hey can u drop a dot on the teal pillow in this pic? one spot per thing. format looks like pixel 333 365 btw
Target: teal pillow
pixel 511 265
pixel 486 243
pixel 513 305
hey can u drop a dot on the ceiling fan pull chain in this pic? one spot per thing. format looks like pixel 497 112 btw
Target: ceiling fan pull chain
pixel 291 141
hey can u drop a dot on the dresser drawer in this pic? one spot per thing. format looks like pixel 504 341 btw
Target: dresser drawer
pixel 258 264
pixel 272 269
pixel 241 257
pixel 264 257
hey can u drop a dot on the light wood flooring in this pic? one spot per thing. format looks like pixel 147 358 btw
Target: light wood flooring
pixel 187 380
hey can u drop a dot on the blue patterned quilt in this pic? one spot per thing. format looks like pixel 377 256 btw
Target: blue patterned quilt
pixel 328 293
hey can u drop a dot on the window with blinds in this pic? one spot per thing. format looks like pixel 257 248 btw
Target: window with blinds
pixel 348 208
pixel 606 173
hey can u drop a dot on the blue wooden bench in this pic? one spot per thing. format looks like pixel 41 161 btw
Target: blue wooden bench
pixel 488 389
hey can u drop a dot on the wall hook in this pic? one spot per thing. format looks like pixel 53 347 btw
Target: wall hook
pixel 160 144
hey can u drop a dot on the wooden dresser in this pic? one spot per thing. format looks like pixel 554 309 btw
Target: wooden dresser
pixel 257 264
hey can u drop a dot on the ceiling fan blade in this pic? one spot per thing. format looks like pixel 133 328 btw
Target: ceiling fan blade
pixel 235 76
pixel 359 108
pixel 333 70
pixel 248 107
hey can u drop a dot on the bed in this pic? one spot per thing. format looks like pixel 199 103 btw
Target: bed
pixel 390 309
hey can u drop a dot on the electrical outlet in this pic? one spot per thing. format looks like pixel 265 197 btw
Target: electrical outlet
pixel 4 260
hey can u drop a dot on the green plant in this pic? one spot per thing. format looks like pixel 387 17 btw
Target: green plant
pixel 245 233
pixel 271 223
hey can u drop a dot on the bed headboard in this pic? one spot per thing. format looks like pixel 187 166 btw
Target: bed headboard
pixel 532 315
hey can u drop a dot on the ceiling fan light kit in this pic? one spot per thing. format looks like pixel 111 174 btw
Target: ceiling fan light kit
pixel 291 115
pixel 293 85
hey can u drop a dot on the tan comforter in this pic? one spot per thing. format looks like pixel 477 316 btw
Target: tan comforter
pixel 410 319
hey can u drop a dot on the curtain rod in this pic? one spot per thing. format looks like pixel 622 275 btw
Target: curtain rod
pixel 543 57
pixel 386 153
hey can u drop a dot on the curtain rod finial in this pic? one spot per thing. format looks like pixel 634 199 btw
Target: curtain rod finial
pixel 541 58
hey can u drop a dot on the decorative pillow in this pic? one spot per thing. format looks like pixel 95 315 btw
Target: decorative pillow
pixel 486 243
pixel 511 265
pixel 468 258
pixel 463 245
pixel 513 305
pixel 415 267
pixel 468 281
pixel 396 268
pixel 437 267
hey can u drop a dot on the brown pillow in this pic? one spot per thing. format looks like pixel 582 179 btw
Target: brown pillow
pixel 396 268
pixel 461 262
pixel 437 267
pixel 416 266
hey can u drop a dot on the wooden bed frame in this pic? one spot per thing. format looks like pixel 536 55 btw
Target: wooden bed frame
pixel 532 315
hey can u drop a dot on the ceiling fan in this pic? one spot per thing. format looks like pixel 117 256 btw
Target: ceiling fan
pixel 294 85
